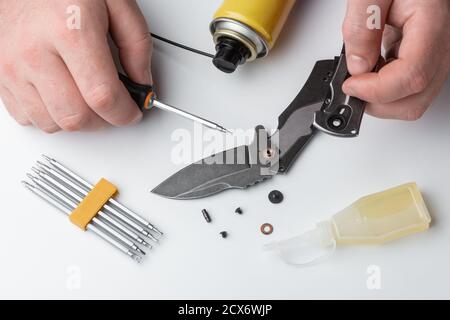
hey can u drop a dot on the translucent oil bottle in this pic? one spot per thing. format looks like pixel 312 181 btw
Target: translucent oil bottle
pixel 375 219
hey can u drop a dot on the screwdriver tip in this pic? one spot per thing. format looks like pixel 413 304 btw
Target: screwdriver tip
pixel 47 158
pixel 223 129
pixel 43 165
pixel 36 170
pixel 146 244
pixel 140 251
pixel 136 258
pixel 151 237
pixel 27 185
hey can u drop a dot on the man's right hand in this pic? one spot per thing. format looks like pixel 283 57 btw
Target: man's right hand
pixel 56 77
pixel 417 40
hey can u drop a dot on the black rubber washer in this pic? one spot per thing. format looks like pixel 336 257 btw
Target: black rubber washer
pixel 224 234
pixel 276 196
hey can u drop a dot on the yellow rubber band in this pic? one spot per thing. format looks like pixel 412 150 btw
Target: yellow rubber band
pixel 92 204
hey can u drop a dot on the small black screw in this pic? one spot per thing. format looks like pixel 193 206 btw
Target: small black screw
pixel 224 234
pixel 206 215
pixel 238 211
pixel 276 196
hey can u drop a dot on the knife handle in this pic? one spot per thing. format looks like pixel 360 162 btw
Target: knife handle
pixel 295 124
pixel 341 115
pixel 142 94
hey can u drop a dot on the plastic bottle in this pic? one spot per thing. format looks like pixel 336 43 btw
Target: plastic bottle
pixel 375 219
pixel 245 30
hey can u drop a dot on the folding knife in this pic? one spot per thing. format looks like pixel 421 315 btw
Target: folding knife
pixel 321 105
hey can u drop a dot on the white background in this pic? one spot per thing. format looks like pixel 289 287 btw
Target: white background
pixel 38 245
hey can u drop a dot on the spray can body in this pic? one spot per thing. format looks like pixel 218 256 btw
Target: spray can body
pixel 245 30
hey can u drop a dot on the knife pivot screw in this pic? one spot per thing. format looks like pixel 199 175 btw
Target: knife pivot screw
pixel 224 234
pixel 238 210
pixel 276 197
pixel 206 216
pixel 269 154
pixel 328 101
pixel 336 122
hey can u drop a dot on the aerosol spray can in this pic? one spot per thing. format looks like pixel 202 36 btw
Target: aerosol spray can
pixel 245 30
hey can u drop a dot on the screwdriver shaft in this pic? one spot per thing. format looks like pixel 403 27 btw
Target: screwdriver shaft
pixel 62 196
pixel 88 187
pixel 91 227
pixel 190 116
pixel 145 98
pixel 70 193
pixel 80 193
pixel 68 187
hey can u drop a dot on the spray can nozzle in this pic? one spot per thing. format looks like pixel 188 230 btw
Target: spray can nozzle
pixel 230 54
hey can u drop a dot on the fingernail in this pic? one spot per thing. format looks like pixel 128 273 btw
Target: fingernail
pixel 150 77
pixel 137 119
pixel 348 89
pixel 147 76
pixel 357 65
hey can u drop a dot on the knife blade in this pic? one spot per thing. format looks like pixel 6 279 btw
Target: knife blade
pixel 237 168
pixel 264 157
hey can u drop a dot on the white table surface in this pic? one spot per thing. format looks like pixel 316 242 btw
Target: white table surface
pixel 40 250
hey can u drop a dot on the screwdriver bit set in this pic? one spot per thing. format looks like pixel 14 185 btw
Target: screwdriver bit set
pixel 92 208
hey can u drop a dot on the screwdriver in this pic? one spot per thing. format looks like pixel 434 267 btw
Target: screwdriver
pixel 145 98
